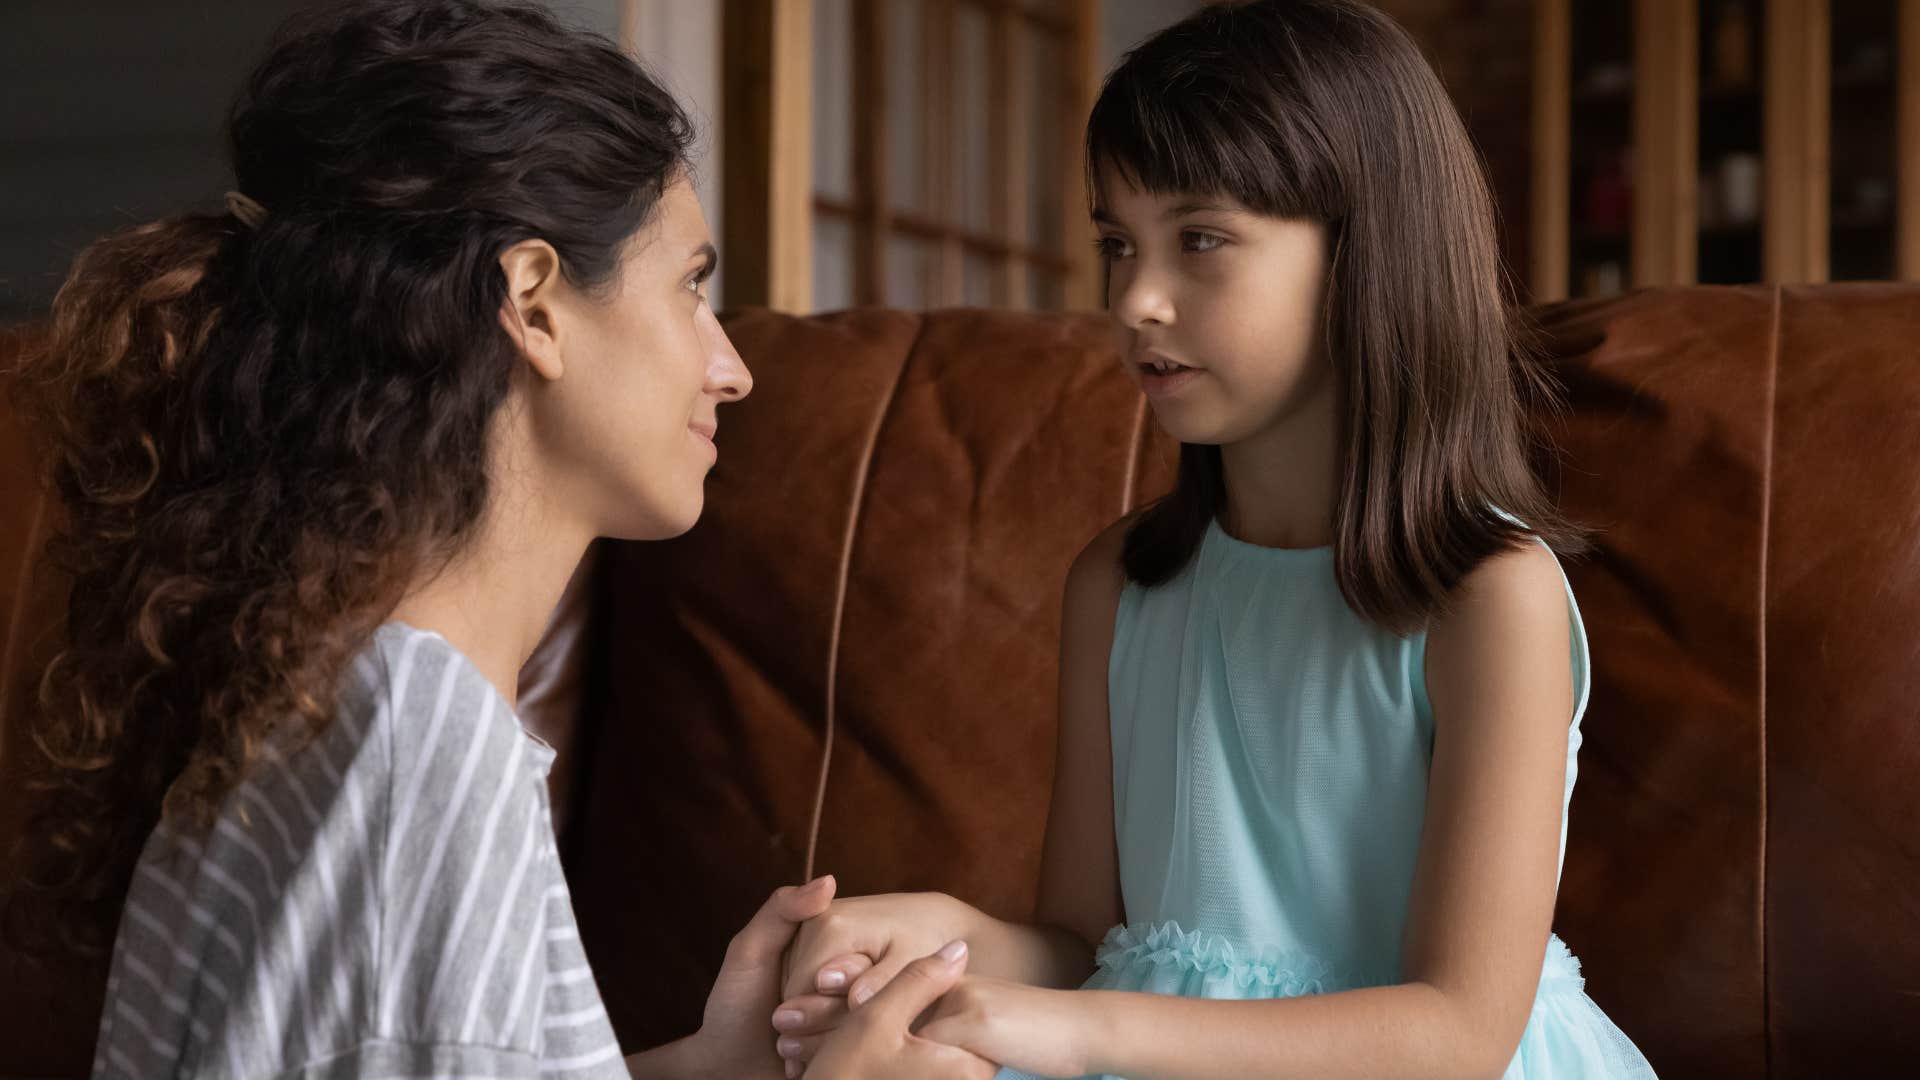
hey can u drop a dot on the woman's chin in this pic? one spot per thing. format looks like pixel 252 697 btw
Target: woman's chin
pixel 661 522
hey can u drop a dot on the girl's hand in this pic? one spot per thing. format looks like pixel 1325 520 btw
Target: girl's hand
pixel 1021 1027
pixel 876 1044
pixel 859 944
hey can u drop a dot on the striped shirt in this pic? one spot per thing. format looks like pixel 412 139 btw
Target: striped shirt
pixel 385 902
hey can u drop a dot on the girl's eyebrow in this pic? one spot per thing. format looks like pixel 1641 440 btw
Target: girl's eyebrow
pixel 1102 217
pixel 1199 207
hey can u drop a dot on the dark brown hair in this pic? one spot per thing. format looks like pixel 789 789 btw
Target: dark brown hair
pixel 1325 110
pixel 262 434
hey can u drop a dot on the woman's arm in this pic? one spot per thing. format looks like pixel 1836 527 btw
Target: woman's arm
pixel 1482 902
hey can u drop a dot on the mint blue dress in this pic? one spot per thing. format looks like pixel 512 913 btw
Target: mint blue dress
pixel 1270 757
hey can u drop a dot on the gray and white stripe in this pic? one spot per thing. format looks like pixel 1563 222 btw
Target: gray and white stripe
pixel 386 901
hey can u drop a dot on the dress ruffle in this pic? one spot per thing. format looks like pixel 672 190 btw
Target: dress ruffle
pixel 1567 1036
pixel 1158 957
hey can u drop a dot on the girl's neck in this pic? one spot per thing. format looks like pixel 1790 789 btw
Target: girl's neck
pixel 1283 482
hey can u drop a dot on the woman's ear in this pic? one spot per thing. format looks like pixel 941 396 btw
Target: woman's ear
pixel 532 269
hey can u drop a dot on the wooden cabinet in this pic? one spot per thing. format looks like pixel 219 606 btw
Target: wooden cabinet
pixel 1685 141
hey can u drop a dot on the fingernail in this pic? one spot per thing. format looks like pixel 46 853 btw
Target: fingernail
pixel 817 883
pixel 861 995
pixel 787 1046
pixel 833 980
pixel 952 951
pixel 789 1018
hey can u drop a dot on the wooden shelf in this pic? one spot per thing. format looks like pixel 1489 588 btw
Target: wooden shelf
pixel 1816 130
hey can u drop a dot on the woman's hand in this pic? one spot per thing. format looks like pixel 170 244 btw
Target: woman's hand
pixel 876 1042
pixel 733 1040
pixel 1022 1027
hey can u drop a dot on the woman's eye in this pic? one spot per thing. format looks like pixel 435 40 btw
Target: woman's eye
pixel 1200 243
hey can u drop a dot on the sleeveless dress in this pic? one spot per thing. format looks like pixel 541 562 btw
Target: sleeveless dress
pixel 1270 758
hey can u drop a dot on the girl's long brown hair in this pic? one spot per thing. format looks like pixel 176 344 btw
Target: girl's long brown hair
pixel 1325 110
pixel 262 434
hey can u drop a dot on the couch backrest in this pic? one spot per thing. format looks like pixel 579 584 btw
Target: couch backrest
pixel 894 512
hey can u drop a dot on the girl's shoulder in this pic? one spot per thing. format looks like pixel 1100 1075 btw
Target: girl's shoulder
pixel 1510 620
pixel 1098 574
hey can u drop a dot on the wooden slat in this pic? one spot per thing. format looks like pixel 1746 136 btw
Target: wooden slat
pixel 939 47
pixel 1084 290
pixel 1044 21
pixel 1666 134
pixel 870 97
pixel 1010 101
pixel 767 129
pixel 630 18
pixel 1907 63
pixel 1798 104
pixel 937 233
pixel 1552 146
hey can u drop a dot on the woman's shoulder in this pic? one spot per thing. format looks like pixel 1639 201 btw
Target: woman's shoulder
pixel 412 690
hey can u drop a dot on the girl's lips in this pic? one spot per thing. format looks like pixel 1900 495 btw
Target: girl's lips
pixel 1159 386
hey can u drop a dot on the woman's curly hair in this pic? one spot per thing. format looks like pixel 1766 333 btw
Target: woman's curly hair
pixel 263 434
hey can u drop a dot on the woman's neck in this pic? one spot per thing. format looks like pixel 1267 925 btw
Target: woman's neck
pixel 1283 482
pixel 493 602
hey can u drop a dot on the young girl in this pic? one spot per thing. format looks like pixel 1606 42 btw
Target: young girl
pixel 1320 706
pixel 328 459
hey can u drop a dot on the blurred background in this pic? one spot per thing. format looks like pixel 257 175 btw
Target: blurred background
pixel 924 153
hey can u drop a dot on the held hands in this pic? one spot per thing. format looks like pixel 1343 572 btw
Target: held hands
pixel 877 1044
pixel 843 960
pixel 860 943
pixel 846 955
pixel 1024 1027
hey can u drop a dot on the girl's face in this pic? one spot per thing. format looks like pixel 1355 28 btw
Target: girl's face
pixel 1217 310
pixel 629 427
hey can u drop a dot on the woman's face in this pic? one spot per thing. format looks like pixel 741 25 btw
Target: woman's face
pixel 628 425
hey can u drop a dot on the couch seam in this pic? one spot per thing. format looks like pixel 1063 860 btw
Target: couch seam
pixel 1133 457
pixel 858 503
pixel 1766 569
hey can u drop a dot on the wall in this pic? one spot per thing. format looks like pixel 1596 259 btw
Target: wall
pixel 112 117
pixel 114 113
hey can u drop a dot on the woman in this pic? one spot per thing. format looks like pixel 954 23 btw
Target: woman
pixel 329 459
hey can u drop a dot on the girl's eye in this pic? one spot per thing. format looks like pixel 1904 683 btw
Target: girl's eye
pixel 1200 243
pixel 697 285
pixel 1112 247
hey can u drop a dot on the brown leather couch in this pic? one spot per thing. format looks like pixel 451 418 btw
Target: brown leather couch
pixel 878 576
